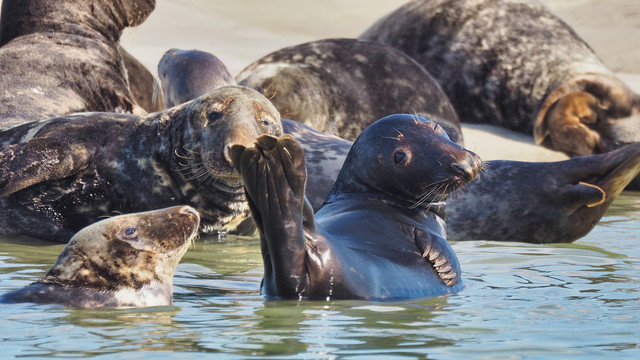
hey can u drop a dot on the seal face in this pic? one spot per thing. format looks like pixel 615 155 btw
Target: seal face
pixel 514 64
pixel 82 70
pixel 187 74
pixel 378 236
pixel 59 175
pixel 124 261
pixel 340 86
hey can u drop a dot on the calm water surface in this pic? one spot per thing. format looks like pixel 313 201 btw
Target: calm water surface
pixel 521 301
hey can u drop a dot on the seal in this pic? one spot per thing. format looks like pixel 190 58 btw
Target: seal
pixel 340 86
pixel 82 70
pixel 379 235
pixel 514 64
pixel 186 74
pixel 123 261
pixel 61 174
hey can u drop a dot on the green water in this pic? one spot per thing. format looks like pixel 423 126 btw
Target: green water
pixel 521 301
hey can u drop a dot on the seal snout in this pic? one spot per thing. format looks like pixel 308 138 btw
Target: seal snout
pixel 468 168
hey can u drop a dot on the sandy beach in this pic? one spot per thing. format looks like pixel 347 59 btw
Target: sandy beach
pixel 242 31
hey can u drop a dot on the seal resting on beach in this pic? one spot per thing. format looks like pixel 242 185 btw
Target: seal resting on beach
pixel 514 64
pixel 340 86
pixel 379 235
pixel 123 261
pixel 61 174
pixel 61 56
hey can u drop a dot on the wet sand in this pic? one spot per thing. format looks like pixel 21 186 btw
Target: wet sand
pixel 242 31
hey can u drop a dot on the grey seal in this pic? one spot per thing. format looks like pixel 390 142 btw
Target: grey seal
pixel 379 235
pixel 123 261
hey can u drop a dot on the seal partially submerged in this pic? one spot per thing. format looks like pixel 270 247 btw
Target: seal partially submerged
pixel 61 56
pixel 124 261
pixel 379 235
pixel 59 175
pixel 514 64
pixel 340 86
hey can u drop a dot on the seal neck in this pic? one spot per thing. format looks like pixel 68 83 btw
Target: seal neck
pixel 436 207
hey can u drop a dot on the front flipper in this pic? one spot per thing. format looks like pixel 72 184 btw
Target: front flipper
pixel 439 253
pixel 274 178
pixel 38 160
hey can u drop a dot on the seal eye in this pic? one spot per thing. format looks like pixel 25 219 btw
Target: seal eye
pixel 130 232
pixel 400 158
pixel 215 116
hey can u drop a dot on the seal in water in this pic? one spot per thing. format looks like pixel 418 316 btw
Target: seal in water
pixel 124 261
pixel 379 235
pixel 514 64
pixel 339 86
pixel 187 74
pixel 61 56
pixel 59 175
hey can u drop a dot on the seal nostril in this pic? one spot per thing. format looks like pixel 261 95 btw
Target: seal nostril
pixel 464 169
pixel 226 152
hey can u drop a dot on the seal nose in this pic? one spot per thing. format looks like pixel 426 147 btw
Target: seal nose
pixel 188 210
pixel 467 168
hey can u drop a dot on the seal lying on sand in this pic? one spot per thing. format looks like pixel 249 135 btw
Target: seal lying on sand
pixel 187 74
pixel 124 261
pixel 339 86
pixel 514 64
pixel 61 56
pixel 59 175
pixel 379 236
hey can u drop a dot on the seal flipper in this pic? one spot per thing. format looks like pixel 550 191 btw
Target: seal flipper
pixel 274 176
pixel 37 160
pixel 439 253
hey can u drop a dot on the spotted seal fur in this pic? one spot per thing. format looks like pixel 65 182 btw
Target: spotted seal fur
pixel 61 174
pixel 124 261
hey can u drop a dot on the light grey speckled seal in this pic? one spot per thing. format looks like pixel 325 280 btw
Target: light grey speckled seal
pixel 340 86
pixel 59 175
pixel 124 261
pixel 379 235
pixel 61 56
pixel 514 64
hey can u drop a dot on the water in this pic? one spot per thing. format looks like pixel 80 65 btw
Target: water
pixel 521 301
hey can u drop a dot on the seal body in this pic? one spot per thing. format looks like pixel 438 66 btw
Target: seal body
pixel 60 57
pixel 124 261
pixel 59 175
pixel 145 88
pixel 514 64
pixel 340 86
pixel 379 235
pixel 187 74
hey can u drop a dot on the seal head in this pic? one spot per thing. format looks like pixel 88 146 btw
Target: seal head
pixel 124 261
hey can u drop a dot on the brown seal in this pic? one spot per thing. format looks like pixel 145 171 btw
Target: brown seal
pixel 514 64
pixel 379 235
pixel 61 56
pixel 61 174
pixel 124 261
pixel 340 86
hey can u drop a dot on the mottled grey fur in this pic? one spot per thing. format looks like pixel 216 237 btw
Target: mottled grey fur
pixel 340 86
pixel 59 175
pixel 61 56
pixel 123 261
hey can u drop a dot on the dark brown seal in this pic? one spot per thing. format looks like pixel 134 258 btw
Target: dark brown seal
pixel 124 261
pixel 514 64
pixel 339 86
pixel 187 74
pixel 61 56
pixel 59 175
pixel 379 235
pixel 144 87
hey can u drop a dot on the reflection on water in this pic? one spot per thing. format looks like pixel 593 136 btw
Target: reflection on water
pixel 520 301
